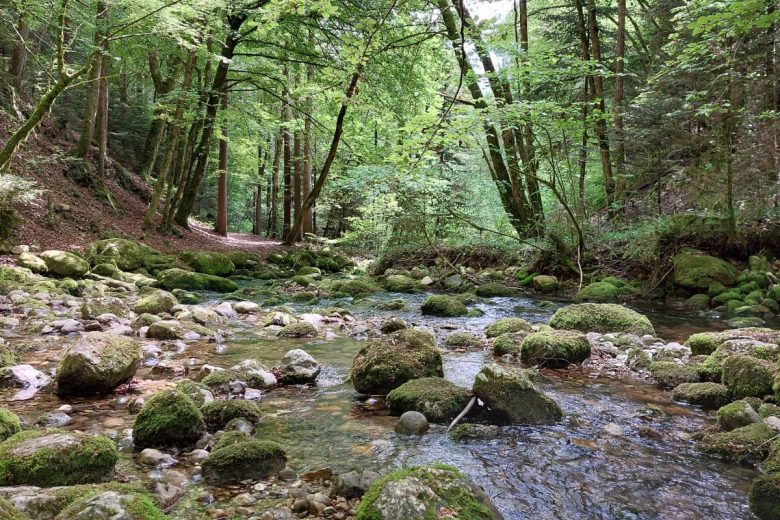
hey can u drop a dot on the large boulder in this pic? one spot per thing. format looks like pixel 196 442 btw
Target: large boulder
pixel 420 493
pixel 387 363
pixel 512 398
pixel 705 343
pixel 91 308
pixel 249 371
pixel 32 262
pixel 694 270
pixel 112 505
pixel 56 458
pixel 127 255
pixel 598 292
pixel 64 263
pixel 736 415
pixel 601 317
pixel 353 484
pixel 168 418
pixel 764 497
pixel 248 460
pixel 748 376
pixel 710 396
pixel 297 367
pixel 555 348
pixel 669 374
pixel 436 398
pixel 507 325
pixel 401 283
pixel 155 302
pixel 545 283
pixel 746 445
pixel 443 305
pixel 180 279
pixel 97 363
pixel 204 262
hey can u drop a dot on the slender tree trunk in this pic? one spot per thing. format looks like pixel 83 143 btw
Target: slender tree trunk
pixel 102 118
pixel 222 189
pixel 204 146
pixel 586 82
pixel 93 97
pixel 600 111
pixel 306 181
pixel 620 154
pixel 273 226
pixel 298 169
pixel 19 57
pixel 287 163
pixel 262 159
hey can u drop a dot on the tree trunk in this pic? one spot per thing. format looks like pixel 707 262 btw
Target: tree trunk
pixel 93 97
pixel 204 146
pixel 287 163
pixel 19 57
pixel 586 82
pixel 102 118
pixel 273 218
pixel 620 52
pixel 308 224
pixel 298 169
pixel 222 189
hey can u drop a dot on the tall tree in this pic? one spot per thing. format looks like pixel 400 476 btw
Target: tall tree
pixel 221 225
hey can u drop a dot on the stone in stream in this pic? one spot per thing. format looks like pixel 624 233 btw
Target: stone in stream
pixel 26 377
pixel 94 307
pixel 507 325
pixel 736 415
pixel 746 445
pixel 168 418
pixel 210 263
pixel 511 396
pixel 155 302
pixel 555 348
pixel 9 423
pixel 56 458
pixel 444 306
pixel 709 396
pixel 387 363
pixel 218 413
pixel 392 325
pixel 112 505
pixel 764 497
pixel 601 317
pixel 97 363
pixel 412 423
pixel 748 376
pixel 436 398
pixel 353 484
pixel 297 367
pixel 245 307
pixel 180 279
pixel 63 263
pixel 249 460
pixel 418 493
pixel 301 329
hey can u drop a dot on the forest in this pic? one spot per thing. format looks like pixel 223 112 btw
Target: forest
pixel 381 259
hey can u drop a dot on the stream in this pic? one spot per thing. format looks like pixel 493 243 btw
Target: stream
pixel 623 449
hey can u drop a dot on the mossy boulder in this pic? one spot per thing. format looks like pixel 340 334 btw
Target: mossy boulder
pixel 243 259
pixel 387 363
pixel 736 415
pixel 512 398
pixel 198 392
pixel 462 339
pixel 508 343
pixel 218 413
pixel 444 306
pixel 748 444
pixel 507 325
pixel 467 431
pixel 555 348
pixel 422 493
pixel 747 376
pixel 205 262
pixel 64 263
pixel 231 437
pixel 669 374
pixel 694 270
pixel 598 292
pixel 168 418
pixel 9 512
pixel 185 297
pixel 53 457
pixel 8 355
pixel 97 363
pixel 494 289
pixel 9 423
pixel 545 283
pixel 249 460
pixel 698 302
pixel 91 308
pixel 174 329
pixel 112 505
pixel 155 302
pixel 32 262
pixel 707 395
pixel 254 374
pixel 357 287
pixel 127 255
pixel 436 398
pixel 301 329
pixel 601 317
pixel 191 281
pixel 401 283
pixel 764 497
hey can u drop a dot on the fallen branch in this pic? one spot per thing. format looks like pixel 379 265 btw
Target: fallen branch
pixel 462 414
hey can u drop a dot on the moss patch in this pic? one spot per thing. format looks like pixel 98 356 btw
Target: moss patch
pixel 555 348
pixel 444 306
pixel 243 461
pixel 218 413
pixel 436 398
pixel 168 418
pixel 601 317
pixel 748 444
pixel 9 423
pixel 191 281
pixel 706 395
pixel 747 376
pixel 505 325
pixel 669 374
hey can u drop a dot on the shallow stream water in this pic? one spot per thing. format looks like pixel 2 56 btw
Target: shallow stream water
pixel 623 449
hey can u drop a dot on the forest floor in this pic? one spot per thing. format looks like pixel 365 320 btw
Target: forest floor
pixel 68 215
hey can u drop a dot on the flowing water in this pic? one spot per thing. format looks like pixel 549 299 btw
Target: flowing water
pixel 623 449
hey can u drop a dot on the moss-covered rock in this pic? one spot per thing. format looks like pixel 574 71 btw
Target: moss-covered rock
pixel 694 270
pixel 748 444
pixel 669 374
pixel 462 339
pixel 467 431
pixel 436 398
pixel 97 363
pixel 185 297
pixel 555 348
pixel 112 505
pixel 707 395
pixel 508 343
pixel 155 302
pixel 747 376
pixel 598 292
pixel 421 493
pixel 243 259
pixel 401 283
pixel 442 305
pixel 249 460
pixel 385 364
pixel 545 283
pixel 91 308
pixel 64 263
pixel 8 356
pixel 764 497
pixel 198 392
pixel 52 457
pixel 32 262
pixel 231 437
pixel 601 317
pixel 736 415
pixel 254 374
pixel 494 289
pixel 205 262
pixel 173 329
pixel 301 329
pixel 127 255
pixel 511 396
pixel 191 281
pixel 168 418
pixel 507 325
pixel 9 423
pixel 698 302
pixel 357 287
pixel 218 413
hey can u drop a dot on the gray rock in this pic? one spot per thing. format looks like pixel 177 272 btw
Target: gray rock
pixel 412 423
pixel 511 396
pixel 353 484
pixel 152 457
pixel 97 363
pixel 298 367
pixel 29 379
